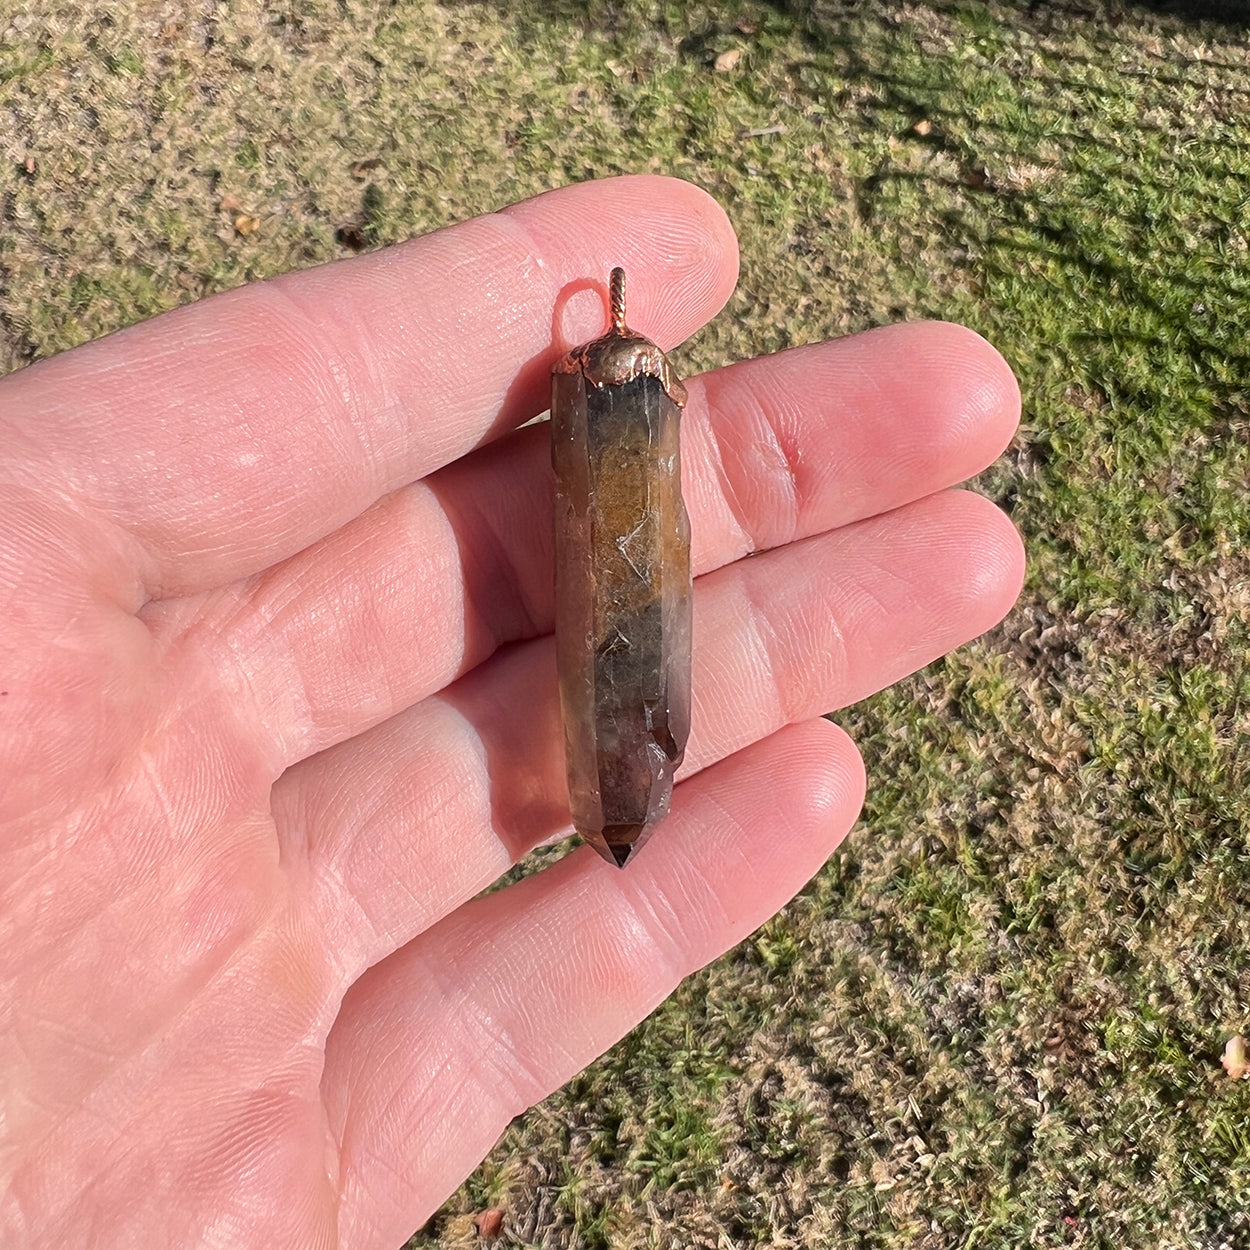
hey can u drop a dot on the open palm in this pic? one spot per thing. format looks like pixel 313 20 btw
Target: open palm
pixel 277 702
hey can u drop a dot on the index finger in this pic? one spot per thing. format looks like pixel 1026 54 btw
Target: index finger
pixel 224 436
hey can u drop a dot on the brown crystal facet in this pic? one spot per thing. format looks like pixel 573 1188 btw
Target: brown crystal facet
pixel 623 592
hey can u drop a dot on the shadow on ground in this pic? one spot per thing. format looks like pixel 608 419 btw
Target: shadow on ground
pixel 818 14
pixel 1047 13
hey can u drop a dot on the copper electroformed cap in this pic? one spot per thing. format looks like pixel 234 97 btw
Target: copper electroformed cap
pixel 621 355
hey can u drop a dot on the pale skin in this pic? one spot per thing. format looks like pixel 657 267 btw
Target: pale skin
pixel 278 701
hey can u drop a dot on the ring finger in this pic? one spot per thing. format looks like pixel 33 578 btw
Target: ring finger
pixel 403 823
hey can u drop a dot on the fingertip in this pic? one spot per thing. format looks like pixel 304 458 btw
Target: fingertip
pixel 1002 554
pixel 820 785
pixel 840 779
pixel 692 261
pixel 978 396
pixel 674 240
pixel 987 564
pixel 938 395
pixel 1006 554
pixel 712 259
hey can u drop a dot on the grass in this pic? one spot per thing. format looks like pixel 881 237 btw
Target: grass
pixel 996 1018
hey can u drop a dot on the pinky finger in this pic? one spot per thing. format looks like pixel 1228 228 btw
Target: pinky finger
pixel 439 1046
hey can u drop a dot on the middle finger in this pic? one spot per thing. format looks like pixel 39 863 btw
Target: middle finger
pixel 430 581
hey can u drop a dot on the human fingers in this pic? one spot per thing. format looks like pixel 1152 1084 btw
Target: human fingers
pixel 434 578
pixel 221 437
pixel 437 1048
pixel 402 824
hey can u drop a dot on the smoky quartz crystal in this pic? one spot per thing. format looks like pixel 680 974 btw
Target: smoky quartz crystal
pixel 623 590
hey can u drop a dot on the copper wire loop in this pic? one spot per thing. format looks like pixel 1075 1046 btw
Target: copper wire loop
pixel 616 297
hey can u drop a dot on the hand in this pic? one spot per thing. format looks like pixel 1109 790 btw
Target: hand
pixel 277 702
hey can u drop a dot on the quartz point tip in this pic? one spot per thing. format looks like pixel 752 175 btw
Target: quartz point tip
pixel 623 586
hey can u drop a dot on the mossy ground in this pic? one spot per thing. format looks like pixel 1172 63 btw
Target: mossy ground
pixel 996 1018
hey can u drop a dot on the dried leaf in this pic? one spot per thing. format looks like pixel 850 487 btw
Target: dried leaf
pixel 1234 1059
pixel 747 27
pixel 245 224
pixel 230 204
pixel 361 169
pixel 489 1224
pixel 727 60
